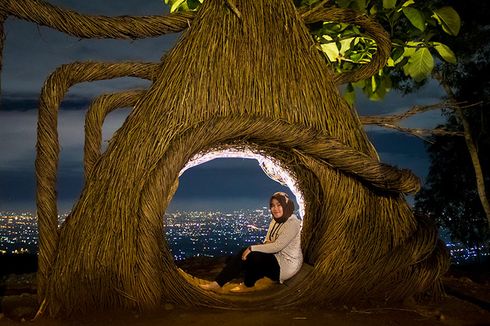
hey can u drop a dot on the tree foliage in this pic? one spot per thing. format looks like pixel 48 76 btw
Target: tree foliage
pixel 450 190
pixel 414 28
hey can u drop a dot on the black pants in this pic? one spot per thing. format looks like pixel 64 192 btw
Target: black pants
pixel 256 266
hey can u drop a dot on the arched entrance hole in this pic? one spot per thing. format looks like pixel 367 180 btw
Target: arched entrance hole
pixel 206 231
pixel 271 167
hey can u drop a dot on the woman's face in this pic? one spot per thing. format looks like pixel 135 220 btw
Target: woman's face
pixel 276 208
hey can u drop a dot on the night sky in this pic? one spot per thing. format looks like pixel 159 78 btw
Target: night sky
pixel 31 53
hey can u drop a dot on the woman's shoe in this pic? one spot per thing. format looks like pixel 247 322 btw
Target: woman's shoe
pixel 242 288
pixel 213 286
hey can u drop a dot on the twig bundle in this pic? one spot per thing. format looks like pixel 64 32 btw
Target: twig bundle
pixel 246 76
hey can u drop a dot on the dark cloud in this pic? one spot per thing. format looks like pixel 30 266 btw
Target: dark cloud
pixel 18 190
pixel 26 102
pixel 395 101
pixel 396 142
pixel 401 150
pixel 32 53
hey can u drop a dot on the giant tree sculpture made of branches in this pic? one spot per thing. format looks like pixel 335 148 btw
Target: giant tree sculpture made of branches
pixel 244 73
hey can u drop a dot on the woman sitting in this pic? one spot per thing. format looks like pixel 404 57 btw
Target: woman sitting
pixel 279 257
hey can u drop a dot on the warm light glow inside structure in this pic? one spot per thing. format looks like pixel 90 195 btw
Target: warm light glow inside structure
pixel 271 167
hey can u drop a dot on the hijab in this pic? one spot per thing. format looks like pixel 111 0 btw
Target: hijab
pixel 286 204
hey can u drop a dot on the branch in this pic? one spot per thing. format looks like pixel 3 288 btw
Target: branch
pixel 88 26
pixel 231 4
pixel 393 121
pixel 470 144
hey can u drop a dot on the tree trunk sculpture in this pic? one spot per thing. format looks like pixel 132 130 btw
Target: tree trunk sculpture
pixel 245 73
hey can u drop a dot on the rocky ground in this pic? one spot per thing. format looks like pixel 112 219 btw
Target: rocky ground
pixel 467 303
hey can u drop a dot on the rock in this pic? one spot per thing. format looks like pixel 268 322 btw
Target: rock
pixel 409 302
pixel 466 280
pixel 23 312
pixel 19 306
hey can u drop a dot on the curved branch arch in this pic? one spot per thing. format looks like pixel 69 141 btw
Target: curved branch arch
pixel 89 26
pixel 47 157
pixel 96 114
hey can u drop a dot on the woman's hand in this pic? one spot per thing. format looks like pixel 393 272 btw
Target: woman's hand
pixel 245 253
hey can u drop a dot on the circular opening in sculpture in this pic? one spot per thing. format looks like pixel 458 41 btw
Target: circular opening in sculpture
pixel 201 239
pixel 270 166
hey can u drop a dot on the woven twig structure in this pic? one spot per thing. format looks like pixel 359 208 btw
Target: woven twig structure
pixel 244 73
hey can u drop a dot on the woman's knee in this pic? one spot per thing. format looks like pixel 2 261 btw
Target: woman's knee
pixel 255 257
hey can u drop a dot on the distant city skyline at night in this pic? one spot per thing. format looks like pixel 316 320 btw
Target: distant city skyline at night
pixel 194 233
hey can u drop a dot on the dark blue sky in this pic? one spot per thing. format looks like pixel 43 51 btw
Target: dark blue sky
pixel 32 53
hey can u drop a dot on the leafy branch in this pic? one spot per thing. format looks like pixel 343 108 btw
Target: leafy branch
pixel 412 27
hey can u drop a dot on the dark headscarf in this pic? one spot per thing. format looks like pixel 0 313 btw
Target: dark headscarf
pixel 287 206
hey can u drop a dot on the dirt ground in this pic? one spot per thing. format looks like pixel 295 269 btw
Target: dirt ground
pixel 467 303
pixel 451 311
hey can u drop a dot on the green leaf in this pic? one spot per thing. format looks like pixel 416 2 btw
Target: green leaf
pixel 375 96
pixel 386 83
pixel 389 4
pixel 408 3
pixel 397 56
pixel 174 4
pixel 408 51
pixel 379 94
pixel 343 3
pixel 445 52
pixel 415 17
pixel 331 50
pixel 449 20
pixel 420 64
pixel 360 5
pixel 345 45
pixel 397 53
pixel 374 84
pixel 326 39
pixel 193 4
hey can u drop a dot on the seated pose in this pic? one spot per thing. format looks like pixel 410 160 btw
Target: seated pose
pixel 279 257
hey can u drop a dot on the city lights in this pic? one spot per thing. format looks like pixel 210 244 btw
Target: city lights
pixel 194 234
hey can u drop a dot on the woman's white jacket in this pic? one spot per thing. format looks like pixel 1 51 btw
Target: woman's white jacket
pixel 284 241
